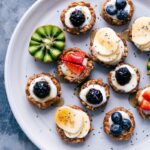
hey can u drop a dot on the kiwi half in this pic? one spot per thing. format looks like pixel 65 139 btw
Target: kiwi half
pixel 47 43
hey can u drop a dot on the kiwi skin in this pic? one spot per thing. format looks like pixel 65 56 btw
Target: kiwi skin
pixel 47 43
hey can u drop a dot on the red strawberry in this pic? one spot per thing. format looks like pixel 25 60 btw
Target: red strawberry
pixel 74 57
pixel 146 95
pixel 145 105
pixel 75 68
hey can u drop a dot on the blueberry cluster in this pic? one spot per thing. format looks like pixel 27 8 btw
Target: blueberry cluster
pixel 118 9
pixel 94 96
pixel 41 89
pixel 77 18
pixel 119 124
pixel 123 76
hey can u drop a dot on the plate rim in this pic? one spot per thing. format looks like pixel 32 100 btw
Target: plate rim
pixel 27 13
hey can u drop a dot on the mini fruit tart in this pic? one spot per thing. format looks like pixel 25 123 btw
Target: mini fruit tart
pixel 78 18
pixel 108 47
pixel 75 65
pixel 47 43
pixel 119 124
pixel 117 12
pixel 94 94
pixel 143 102
pixel 140 33
pixel 124 79
pixel 72 124
pixel 43 90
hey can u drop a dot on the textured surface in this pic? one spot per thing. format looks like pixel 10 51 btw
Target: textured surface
pixel 11 136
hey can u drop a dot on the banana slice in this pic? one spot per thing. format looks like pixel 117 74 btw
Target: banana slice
pixel 69 119
pixel 141 31
pixel 104 41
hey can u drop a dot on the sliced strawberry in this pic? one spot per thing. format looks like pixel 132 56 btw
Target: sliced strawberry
pixel 75 68
pixel 146 95
pixel 74 57
pixel 145 105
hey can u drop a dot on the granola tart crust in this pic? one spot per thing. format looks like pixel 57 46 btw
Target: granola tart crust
pixel 141 113
pixel 43 105
pixel 73 140
pixel 124 136
pixel 122 91
pixel 78 31
pixel 108 65
pixel 117 22
pixel 85 73
pixel 101 83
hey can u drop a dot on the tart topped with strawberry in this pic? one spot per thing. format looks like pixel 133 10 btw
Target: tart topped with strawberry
pixel 143 102
pixel 75 65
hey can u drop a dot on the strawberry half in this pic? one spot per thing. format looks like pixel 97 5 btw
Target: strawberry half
pixel 75 68
pixel 76 57
pixel 145 105
pixel 146 95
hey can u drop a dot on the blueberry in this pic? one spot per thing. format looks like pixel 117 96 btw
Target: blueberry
pixel 126 124
pixel 116 129
pixel 123 76
pixel 77 18
pixel 94 96
pixel 122 15
pixel 116 117
pixel 121 4
pixel 41 89
pixel 111 10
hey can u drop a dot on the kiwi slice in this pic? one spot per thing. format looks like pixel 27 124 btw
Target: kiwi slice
pixel 47 43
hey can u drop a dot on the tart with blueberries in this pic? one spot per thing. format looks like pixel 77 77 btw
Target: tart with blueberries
pixel 125 78
pixel 119 124
pixel 47 43
pixel 108 47
pixel 117 12
pixel 43 90
pixel 94 94
pixel 143 102
pixel 74 65
pixel 78 18
pixel 139 33
pixel 73 124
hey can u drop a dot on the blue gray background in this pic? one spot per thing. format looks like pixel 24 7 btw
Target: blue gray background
pixel 11 136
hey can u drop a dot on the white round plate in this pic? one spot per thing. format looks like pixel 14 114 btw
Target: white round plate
pixel 38 124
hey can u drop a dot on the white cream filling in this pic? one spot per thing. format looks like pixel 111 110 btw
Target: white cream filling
pixel 124 116
pixel 132 83
pixel 53 89
pixel 84 92
pixel 113 2
pixel 97 48
pixel 85 11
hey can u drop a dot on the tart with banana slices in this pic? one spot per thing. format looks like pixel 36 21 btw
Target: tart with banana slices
pixel 140 33
pixel 125 78
pixel 119 124
pixel 72 124
pixel 143 102
pixel 43 90
pixel 94 94
pixel 108 47
pixel 75 65
pixel 78 18
pixel 117 12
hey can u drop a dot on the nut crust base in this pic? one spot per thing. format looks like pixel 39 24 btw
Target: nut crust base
pixel 125 135
pixel 72 140
pixel 99 82
pixel 43 105
pixel 122 91
pixel 78 31
pixel 117 22
pixel 83 75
